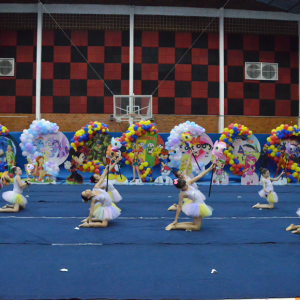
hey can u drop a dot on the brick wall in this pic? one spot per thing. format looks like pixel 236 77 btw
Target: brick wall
pixel 164 123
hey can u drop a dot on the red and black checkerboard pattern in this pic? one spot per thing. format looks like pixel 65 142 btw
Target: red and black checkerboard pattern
pixel 261 98
pixel 190 88
pixel 69 85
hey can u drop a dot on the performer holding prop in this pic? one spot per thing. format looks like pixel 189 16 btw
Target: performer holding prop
pixel 193 206
pixel 101 206
pixel 113 193
pixel 268 191
pixel 15 196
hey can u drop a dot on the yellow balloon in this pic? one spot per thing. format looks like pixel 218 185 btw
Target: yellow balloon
pixel 92 168
pixel 268 139
pixel 90 132
pixel 89 164
pixel 148 170
pixel 231 131
pixel 293 167
pixel 131 155
pixel 126 162
pixel 231 168
pixel 295 174
pixel 84 166
pixel 231 162
pixel 72 145
pixel 89 127
pixel 272 154
pixel 141 167
pixel 146 164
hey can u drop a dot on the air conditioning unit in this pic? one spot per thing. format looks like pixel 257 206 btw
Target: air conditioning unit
pixel 261 71
pixel 7 67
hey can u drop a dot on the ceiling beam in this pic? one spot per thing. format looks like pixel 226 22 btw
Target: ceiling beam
pixel 147 10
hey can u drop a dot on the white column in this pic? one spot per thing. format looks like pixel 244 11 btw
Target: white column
pixel 131 56
pixel 38 63
pixel 221 71
pixel 299 70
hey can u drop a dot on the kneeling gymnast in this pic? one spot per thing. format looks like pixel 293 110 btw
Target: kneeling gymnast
pixel 101 208
pixel 194 205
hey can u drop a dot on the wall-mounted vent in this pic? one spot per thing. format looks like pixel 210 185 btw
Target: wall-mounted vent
pixel 7 67
pixel 261 71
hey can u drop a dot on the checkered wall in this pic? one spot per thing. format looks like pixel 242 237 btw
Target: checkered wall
pixel 69 85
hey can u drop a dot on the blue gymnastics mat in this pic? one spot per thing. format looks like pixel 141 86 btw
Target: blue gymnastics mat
pixel 135 258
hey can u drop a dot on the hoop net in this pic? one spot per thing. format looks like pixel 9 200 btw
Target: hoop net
pixel 138 107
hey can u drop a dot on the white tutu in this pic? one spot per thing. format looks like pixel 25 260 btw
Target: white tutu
pixel 116 197
pixel 106 212
pixel 13 198
pixel 271 197
pixel 193 209
pixel 203 198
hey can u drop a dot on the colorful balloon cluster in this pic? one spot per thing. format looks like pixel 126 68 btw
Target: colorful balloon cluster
pixel 131 135
pixel 28 137
pixel 284 131
pixel 93 167
pixel 180 141
pixel 3 130
pixel 87 132
pixel 228 135
pixel 83 135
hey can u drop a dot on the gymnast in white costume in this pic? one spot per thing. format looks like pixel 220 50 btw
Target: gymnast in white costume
pixel 102 208
pixel 295 228
pixel 113 193
pixel 183 175
pixel 268 190
pixel 15 198
pixel 193 206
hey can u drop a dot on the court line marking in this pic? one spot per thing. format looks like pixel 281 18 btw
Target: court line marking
pixel 154 218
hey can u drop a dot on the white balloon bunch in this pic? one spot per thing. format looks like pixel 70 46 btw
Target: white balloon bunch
pixel 29 137
pixel 179 139
pixel 51 168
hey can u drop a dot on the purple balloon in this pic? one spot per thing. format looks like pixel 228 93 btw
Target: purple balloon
pixel 28 146
pixel 175 140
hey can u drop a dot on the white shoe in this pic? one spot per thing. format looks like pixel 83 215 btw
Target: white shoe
pixel 139 181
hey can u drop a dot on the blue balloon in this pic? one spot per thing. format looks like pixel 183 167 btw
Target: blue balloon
pixel 294 180
pixel 291 176
pixel 236 161
pixel 270 151
pixel 277 154
pixel 225 140
pixel 234 128
pixel 287 132
pixel 147 179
